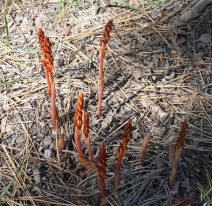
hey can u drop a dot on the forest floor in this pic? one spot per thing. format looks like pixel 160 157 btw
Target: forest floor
pixel 158 72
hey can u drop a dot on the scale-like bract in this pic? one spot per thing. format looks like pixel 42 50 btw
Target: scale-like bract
pixel 124 140
pixel 78 112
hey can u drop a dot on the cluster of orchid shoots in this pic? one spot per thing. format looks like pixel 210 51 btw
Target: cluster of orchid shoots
pixel 81 122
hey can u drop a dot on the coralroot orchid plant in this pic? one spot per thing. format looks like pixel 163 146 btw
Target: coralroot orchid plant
pixel 103 43
pixel 60 142
pixel 144 147
pixel 177 153
pixel 121 151
pixel 47 62
pixel 78 124
pixel 86 135
pixel 101 168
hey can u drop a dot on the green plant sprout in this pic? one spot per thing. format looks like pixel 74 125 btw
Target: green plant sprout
pixel 206 193
pixel 7 83
pixel 122 3
pixel 61 4
pixel 13 179
pixel 11 54
pixel 160 1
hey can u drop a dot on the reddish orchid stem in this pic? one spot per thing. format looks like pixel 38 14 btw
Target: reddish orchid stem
pixel 178 152
pixel 103 43
pixel 101 184
pixel 53 109
pixel 117 175
pixel 90 149
pixel 101 80
pixel 171 153
pixel 101 167
pixel 48 83
pixel 60 142
pixel 78 143
pixel 86 135
pixel 121 151
pixel 144 147
pixel 47 62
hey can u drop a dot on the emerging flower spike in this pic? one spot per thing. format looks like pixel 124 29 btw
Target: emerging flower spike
pixel 47 62
pixel 60 141
pixel 78 123
pixel 144 147
pixel 124 140
pixel 178 152
pixel 182 136
pixel 86 125
pixel 122 150
pixel 106 36
pixel 101 167
pixel 86 137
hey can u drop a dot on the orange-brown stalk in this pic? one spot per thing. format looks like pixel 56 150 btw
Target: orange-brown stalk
pixel 144 147
pixel 47 62
pixel 86 136
pixel 121 151
pixel 78 124
pixel 178 152
pixel 101 167
pixel 60 142
pixel 171 153
pixel 103 43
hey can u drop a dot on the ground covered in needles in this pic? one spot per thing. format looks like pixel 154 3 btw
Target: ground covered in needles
pixel 158 73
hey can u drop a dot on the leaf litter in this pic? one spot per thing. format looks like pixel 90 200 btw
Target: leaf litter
pixel 157 72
